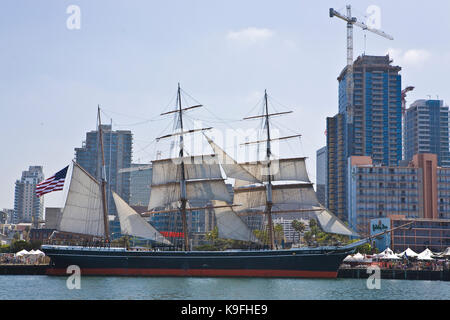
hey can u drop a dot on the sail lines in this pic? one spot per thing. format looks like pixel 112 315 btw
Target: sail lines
pixel 268 186
pixel 132 224
pixel 230 166
pixel 83 211
pixel 230 225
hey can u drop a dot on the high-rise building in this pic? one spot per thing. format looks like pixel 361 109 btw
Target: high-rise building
pixel 27 206
pixel 9 216
pixel 117 147
pixel 141 180
pixel 419 190
pixel 321 175
pixel 369 126
pixel 426 130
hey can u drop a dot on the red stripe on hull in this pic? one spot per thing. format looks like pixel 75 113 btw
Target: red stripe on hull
pixel 199 273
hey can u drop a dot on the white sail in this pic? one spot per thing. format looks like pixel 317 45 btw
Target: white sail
pixel 196 167
pixel 331 224
pixel 230 225
pixel 83 211
pixel 132 224
pixel 204 190
pixel 255 196
pixel 230 166
pixel 293 169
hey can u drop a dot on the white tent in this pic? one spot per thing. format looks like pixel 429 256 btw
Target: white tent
pixel 446 253
pixel 390 257
pixel 358 257
pixel 387 254
pixel 22 253
pixel 38 253
pixel 425 255
pixel 349 258
pixel 408 253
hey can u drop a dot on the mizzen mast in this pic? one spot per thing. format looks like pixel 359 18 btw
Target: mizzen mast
pixel 103 183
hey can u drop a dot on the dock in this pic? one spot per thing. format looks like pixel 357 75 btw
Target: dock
pixel 23 269
pixel 398 274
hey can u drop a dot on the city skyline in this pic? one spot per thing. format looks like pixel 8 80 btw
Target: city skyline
pixel 129 58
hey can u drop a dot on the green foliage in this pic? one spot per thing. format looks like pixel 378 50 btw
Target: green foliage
pixel 6 248
pixel 122 242
pixel 298 226
pixel 263 235
pixel 365 249
pixel 19 245
pixel 279 233
pixel 316 236
pixel 223 244
pixel 213 235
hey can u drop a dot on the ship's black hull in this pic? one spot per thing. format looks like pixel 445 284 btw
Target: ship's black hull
pixel 313 263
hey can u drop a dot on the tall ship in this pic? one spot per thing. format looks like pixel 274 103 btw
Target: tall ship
pixel 186 183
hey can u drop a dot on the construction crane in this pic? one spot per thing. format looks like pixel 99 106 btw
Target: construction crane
pixel 404 92
pixel 350 22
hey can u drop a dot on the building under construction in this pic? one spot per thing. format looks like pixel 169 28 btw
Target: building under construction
pixel 369 125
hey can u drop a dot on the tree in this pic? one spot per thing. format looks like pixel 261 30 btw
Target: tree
pixel 316 235
pixel 298 226
pixel 19 245
pixel 122 242
pixel 213 235
pixel 278 231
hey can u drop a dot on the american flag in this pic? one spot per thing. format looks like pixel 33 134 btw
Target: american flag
pixel 54 183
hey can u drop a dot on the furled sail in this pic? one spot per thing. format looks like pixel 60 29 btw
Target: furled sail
pixel 83 211
pixel 132 224
pixel 203 190
pixel 293 169
pixel 230 166
pixel 254 196
pixel 230 225
pixel 331 224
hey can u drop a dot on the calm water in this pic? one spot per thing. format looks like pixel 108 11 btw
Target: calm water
pixel 44 287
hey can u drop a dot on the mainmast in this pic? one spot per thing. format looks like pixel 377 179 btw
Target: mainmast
pixel 268 185
pixel 103 184
pixel 183 176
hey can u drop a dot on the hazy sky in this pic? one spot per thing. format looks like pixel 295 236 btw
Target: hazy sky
pixel 128 56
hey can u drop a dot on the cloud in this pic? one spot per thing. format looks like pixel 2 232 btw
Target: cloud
pixel 412 57
pixel 250 35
